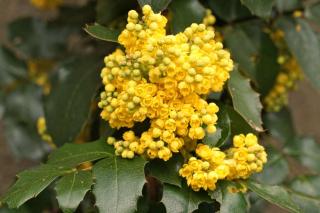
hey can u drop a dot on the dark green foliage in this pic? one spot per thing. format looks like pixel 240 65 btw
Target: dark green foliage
pixel 113 184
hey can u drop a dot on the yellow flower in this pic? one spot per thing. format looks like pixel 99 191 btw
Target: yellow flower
pixel 46 4
pixel 289 74
pixel 238 162
pixel 38 70
pixel 42 131
pixel 162 78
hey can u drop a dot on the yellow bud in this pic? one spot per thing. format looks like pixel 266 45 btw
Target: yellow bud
pixel 124 153
pixel 111 140
pixel 133 14
pixel 156 132
pixel 109 88
pixel 130 154
pixel 212 108
pixel 211 129
pixel 239 140
pixel 251 140
pixel 199 133
pixel 129 136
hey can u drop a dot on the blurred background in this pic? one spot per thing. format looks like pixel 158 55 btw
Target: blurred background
pixel 304 102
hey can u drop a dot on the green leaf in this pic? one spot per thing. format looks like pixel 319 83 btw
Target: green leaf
pixel 22 209
pixel 24 104
pixel 22 108
pixel 184 13
pixel 287 5
pixel 306 150
pixel 119 183
pixel 72 188
pixel 157 5
pixel 23 141
pixel 245 100
pixel 260 8
pixel 280 125
pixel 30 183
pixel 73 18
pixel 238 124
pixel 223 132
pixel 71 155
pixel 233 202
pixel 67 106
pixel 313 13
pixel 182 200
pixel 274 194
pixel 304 45
pixel 10 67
pixel 256 54
pixel 229 10
pixel 309 185
pixel 102 33
pixel 229 201
pixel 36 39
pixel 144 205
pixel 109 10
pixel 276 167
pixel 166 171
pixel 306 193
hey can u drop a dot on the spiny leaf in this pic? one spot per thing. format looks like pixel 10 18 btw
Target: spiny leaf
pixel 30 183
pixel 102 33
pixel 256 54
pixel 313 13
pixel 67 106
pixel 184 13
pixel 166 171
pixel 223 132
pixel 182 200
pixel 306 193
pixel 229 10
pixel 119 183
pixel 72 188
pixel 11 67
pixel 304 45
pixel 280 125
pixel 306 150
pixel 23 107
pixel 238 124
pixel 157 5
pixel 260 8
pixel 35 38
pixel 71 155
pixel 274 194
pixel 245 100
pixel 230 201
pixel 277 167
pixel 287 5
pixel 109 11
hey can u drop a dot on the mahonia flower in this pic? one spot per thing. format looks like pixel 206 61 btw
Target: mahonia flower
pixel 38 72
pixel 162 77
pixel 42 131
pixel 239 162
pixel 286 80
pixel 46 4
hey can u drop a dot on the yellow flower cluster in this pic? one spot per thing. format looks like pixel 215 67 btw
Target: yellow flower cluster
pixel 46 4
pixel 162 77
pixel 286 80
pixel 38 72
pixel 239 162
pixel 42 131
